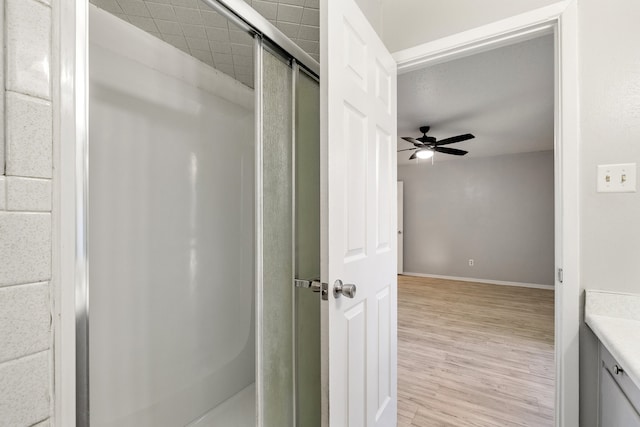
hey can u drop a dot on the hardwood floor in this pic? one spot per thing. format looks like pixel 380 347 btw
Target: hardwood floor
pixel 474 354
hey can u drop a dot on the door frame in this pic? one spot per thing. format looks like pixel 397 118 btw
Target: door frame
pixel 400 222
pixel 560 19
pixel 69 84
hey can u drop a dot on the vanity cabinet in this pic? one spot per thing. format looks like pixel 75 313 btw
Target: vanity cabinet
pixel 619 397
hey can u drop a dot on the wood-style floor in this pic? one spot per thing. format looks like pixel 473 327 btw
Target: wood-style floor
pixel 473 354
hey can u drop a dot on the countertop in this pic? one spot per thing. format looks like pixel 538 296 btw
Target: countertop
pixel 615 319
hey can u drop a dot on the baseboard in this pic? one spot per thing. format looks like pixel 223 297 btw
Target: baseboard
pixel 490 282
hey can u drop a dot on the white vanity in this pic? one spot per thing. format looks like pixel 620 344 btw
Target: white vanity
pixel 615 319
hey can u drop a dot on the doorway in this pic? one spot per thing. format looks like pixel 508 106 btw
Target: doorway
pixel 478 215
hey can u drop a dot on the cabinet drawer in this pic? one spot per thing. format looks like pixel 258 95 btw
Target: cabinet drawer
pixel 615 409
pixel 621 378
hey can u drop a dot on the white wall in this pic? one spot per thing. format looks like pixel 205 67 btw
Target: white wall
pixel 609 133
pixel 498 211
pixel 171 231
pixel 407 23
pixel 373 11
pixel 25 213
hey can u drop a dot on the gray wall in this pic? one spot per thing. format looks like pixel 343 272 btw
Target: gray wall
pixel 498 211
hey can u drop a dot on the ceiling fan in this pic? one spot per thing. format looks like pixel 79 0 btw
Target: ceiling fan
pixel 425 146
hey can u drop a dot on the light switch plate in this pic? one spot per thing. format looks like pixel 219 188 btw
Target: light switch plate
pixel 620 178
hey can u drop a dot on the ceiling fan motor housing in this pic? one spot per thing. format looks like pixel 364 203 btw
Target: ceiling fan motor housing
pixel 427 139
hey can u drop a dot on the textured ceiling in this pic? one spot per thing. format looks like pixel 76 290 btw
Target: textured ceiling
pixel 504 97
pixel 193 27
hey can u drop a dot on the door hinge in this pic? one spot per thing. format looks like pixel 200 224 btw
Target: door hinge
pixel 560 275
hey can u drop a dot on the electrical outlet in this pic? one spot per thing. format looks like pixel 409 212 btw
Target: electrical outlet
pixel 470 263
pixel 619 178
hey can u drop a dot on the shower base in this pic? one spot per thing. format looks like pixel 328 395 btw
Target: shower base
pixel 237 411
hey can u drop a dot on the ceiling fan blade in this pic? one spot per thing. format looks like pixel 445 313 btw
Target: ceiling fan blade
pixel 453 151
pixel 413 156
pixel 413 141
pixel 455 139
pixel 408 149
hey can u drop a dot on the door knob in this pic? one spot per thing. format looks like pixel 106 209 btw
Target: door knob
pixel 347 290
pixel 399 231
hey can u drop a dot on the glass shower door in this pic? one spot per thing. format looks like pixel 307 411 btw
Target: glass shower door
pixel 288 244
pixel 275 382
pixel 307 249
pixel 196 233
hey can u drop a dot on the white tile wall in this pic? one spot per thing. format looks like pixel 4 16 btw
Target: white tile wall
pixel 168 27
pixel 25 247
pixel 145 23
pixel 28 136
pixel 134 8
pixel 266 8
pixel 25 235
pixel 2 149
pixel 289 13
pixel 24 389
pixel 2 79
pixel 28 44
pixel 3 193
pixel 28 194
pixel 26 320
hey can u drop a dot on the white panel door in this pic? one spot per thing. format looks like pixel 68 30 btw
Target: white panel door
pixel 359 130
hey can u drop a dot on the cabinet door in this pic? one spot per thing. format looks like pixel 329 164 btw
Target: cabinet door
pixel 615 409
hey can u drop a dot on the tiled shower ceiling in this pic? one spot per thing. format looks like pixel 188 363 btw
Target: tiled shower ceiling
pixel 297 19
pixel 193 27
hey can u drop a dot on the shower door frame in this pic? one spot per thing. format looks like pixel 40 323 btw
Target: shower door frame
pixel 70 94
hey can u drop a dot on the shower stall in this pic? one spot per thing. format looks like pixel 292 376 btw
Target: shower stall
pixel 203 193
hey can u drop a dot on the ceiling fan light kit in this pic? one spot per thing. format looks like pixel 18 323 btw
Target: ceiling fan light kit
pixel 426 146
pixel 424 154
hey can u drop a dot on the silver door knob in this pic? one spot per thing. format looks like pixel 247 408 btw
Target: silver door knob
pixel 347 290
